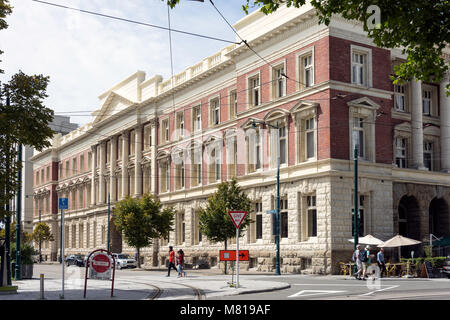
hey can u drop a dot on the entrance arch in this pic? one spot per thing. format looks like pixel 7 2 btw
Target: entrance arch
pixel 439 218
pixel 410 224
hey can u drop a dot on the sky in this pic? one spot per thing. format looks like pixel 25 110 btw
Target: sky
pixel 85 55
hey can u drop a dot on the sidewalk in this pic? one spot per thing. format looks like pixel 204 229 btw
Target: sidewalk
pixel 146 285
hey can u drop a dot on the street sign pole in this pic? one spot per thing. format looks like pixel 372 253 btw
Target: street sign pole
pixel 62 251
pixel 237 258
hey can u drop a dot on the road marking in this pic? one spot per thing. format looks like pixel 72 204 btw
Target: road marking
pixel 369 293
pixel 305 293
pixel 333 284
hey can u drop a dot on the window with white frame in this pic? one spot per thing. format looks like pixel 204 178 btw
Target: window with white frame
pixel 196 165
pixel 214 111
pixel 179 172
pixel 281 143
pixel 358 135
pixel 284 221
pixel 428 155
pixel 214 165
pixel 197 118
pixel 132 144
pixel 258 220
pixel 147 137
pixel 311 215
pixel 427 102
pixel 279 82
pixel 254 150
pixel 165 130
pixel 310 139
pixel 67 170
pixel 254 91
pixel 400 98
pixel 231 152
pixel 233 104
pixel 164 174
pixel 362 203
pixel 108 151
pixel 400 152
pixel 180 124
pixel 306 70
pixel 359 68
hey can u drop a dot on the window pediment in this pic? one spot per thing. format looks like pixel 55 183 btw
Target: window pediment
pixel 276 114
pixel 304 108
pixel 364 102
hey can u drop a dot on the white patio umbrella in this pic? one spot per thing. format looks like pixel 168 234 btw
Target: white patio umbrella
pixel 398 241
pixel 369 239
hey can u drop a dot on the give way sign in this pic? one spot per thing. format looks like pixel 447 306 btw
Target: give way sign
pixel 237 217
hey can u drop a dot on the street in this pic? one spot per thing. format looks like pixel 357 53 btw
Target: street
pixel 210 284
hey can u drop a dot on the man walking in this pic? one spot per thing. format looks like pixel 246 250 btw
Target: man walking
pixel 381 262
pixel 357 259
pixel 171 260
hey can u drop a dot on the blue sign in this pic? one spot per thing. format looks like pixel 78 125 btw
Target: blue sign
pixel 271 211
pixel 63 203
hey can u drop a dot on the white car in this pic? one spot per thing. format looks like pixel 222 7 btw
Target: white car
pixel 124 261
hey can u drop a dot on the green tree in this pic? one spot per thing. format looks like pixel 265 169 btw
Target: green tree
pixel 24 120
pixel 142 220
pixel 214 220
pixel 41 233
pixel 419 27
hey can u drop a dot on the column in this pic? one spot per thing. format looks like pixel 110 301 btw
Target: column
pixel 101 177
pixel 153 168
pixel 417 124
pixel 113 161
pixel 94 168
pixel 445 124
pixel 137 161
pixel 124 163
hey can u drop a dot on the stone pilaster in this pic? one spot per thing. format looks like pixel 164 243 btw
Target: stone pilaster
pixel 417 125
pixel 125 151
pixel 113 161
pixel 137 162
pixel 94 168
pixel 445 124
pixel 101 179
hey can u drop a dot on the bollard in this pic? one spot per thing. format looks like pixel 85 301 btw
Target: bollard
pixel 42 286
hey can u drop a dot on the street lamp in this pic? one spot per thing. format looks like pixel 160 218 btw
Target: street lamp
pixel 277 214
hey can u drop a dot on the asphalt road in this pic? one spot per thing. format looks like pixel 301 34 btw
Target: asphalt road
pixel 311 287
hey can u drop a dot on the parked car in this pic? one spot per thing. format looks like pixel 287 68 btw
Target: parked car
pixel 124 261
pixel 446 267
pixel 75 259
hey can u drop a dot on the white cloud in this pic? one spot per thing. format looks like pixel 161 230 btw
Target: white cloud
pixel 84 55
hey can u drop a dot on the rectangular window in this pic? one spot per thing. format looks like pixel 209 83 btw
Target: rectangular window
pixel 307 71
pixel 82 163
pixel 165 130
pixel 400 152
pixel 67 169
pixel 359 68
pixel 399 96
pixel 279 82
pixel 253 150
pixel 233 104
pixel 428 155
pixel 283 218
pixel 254 91
pixel 108 151
pixel 259 216
pixel 180 175
pixel 164 174
pixel 311 216
pixel 214 112
pixel 196 166
pixel 180 124
pixel 310 138
pixel 360 217
pixel 48 173
pixel 358 135
pixel 426 101
pixel 147 137
pixel 197 119
pixel 283 144
pixel 132 144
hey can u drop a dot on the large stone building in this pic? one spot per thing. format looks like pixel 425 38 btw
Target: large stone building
pixel 179 138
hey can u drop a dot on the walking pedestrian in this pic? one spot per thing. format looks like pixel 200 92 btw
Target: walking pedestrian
pixel 180 266
pixel 365 259
pixel 171 260
pixel 357 259
pixel 381 262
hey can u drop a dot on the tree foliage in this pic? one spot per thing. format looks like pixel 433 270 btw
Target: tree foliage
pixel 418 27
pixel 214 220
pixel 24 120
pixel 142 220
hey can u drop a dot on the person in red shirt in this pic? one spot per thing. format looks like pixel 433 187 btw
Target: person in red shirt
pixel 171 260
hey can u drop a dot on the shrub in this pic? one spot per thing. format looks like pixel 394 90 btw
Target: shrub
pixel 26 253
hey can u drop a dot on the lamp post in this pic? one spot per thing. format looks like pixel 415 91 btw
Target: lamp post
pixel 109 215
pixel 355 199
pixel 277 214
pixel 17 273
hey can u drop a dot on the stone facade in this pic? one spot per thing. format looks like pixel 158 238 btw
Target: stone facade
pixel 218 107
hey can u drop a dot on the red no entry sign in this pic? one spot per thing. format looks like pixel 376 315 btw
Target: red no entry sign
pixel 101 263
